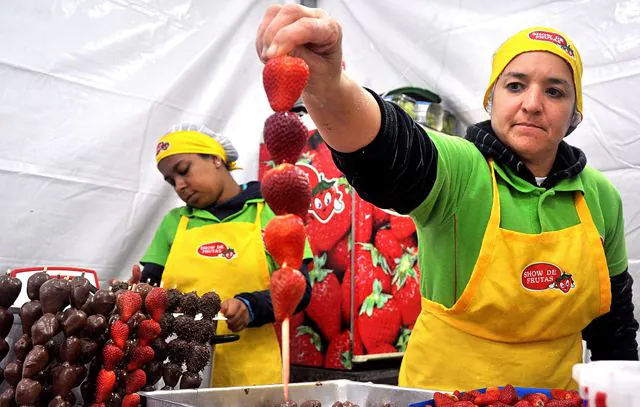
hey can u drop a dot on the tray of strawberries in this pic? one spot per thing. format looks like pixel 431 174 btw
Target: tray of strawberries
pixel 506 396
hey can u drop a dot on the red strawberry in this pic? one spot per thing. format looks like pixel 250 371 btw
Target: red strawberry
pixel 371 266
pixel 383 348
pixel 358 347
pixel 287 288
pixel 140 356
pixel 463 404
pixel 339 352
pixel 306 348
pixel 402 226
pixel 111 355
pixel 131 400
pixel 128 303
pixel 380 217
pixel 105 381
pixel 148 330
pixel 379 319
pixel 574 396
pixel 266 163
pixel 387 243
pixel 329 215
pixel 443 399
pixel 561 403
pixel 508 395
pixel 522 403
pixel 295 321
pixel 536 399
pixel 487 398
pixel 284 239
pixel 558 394
pixel 339 257
pixel 406 289
pixel 284 79
pixel 286 189
pixel 119 333
pixel 498 404
pixel 135 380
pixel 324 307
pixel 285 137
pixel 156 302
pixel 410 245
pixel 364 220
pixel 469 395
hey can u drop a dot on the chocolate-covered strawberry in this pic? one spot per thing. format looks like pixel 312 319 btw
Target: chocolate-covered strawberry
pixel 4 348
pixel 54 295
pixel 190 380
pixel 80 291
pixel 183 326
pixel 13 372
pixel 30 312
pixel 199 356
pixel 171 373
pixel 173 300
pixel 87 390
pixel 190 304
pixel 178 351
pixel 160 348
pixel 64 379
pixel 135 320
pixel 143 289
pixel 73 322
pixel 70 350
pixel 8 398
pixel 6 322
pixel 103 302
pixel 81 373
pixel 45 328
pixel 166 325
pixel 35 361
pixel 154 372
pixel 58 401
pixel 33 284
pixel 202 330
pixel 22 346
pixel 96 325
pixel 88 350
pixel 210 305
pixel 27 392
pixel 9 290
pixel 117 285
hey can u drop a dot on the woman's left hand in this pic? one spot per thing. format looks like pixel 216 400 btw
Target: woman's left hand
pixel 236 313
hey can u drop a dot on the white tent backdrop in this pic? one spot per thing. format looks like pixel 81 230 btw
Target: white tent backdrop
pixel 87 86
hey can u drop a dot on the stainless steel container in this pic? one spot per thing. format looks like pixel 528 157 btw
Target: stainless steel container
pixel 328 392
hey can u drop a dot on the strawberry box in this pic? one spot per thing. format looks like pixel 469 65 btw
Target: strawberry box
pixel 352 316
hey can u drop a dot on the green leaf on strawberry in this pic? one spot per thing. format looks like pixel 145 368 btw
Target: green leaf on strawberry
pixel 323 185
pixel 377 258
pixel 314 337
pixel 345 358
pixel 404 270
pixel 403 339
pixel 319 273
pixel 376 299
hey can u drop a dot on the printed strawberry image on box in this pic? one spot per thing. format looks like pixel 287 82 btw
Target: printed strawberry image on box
pixel 353 242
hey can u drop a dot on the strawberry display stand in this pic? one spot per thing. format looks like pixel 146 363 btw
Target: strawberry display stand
pixel 365 297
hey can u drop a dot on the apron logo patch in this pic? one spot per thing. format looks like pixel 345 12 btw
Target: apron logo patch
pixel 546 276
pixel 216 249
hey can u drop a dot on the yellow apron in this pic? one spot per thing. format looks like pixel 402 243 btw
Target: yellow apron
pixel 228 258
pixel 519 320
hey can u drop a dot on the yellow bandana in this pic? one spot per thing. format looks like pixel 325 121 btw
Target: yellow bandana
pixel 538 39
pixel 190 142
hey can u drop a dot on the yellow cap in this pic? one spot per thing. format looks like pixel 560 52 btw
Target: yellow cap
pixel 190 142
pixel 537 39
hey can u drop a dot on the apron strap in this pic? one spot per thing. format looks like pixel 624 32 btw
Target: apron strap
pixel 494 219
pixel 258 221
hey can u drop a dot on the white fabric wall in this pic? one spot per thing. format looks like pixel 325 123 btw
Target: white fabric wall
pixel 86 87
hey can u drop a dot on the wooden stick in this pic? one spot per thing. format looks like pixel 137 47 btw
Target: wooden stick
pixel 285 357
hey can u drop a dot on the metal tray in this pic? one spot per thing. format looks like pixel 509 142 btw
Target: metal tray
pixel 328 392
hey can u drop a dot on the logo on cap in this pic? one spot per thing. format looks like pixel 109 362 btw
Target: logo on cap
pixel 554 38
pixel 162 146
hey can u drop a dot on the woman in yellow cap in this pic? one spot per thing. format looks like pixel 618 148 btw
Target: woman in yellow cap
pixel 215 243
pixel 521 244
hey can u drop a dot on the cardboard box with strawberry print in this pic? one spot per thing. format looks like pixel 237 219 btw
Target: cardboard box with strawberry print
pixel 347 233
